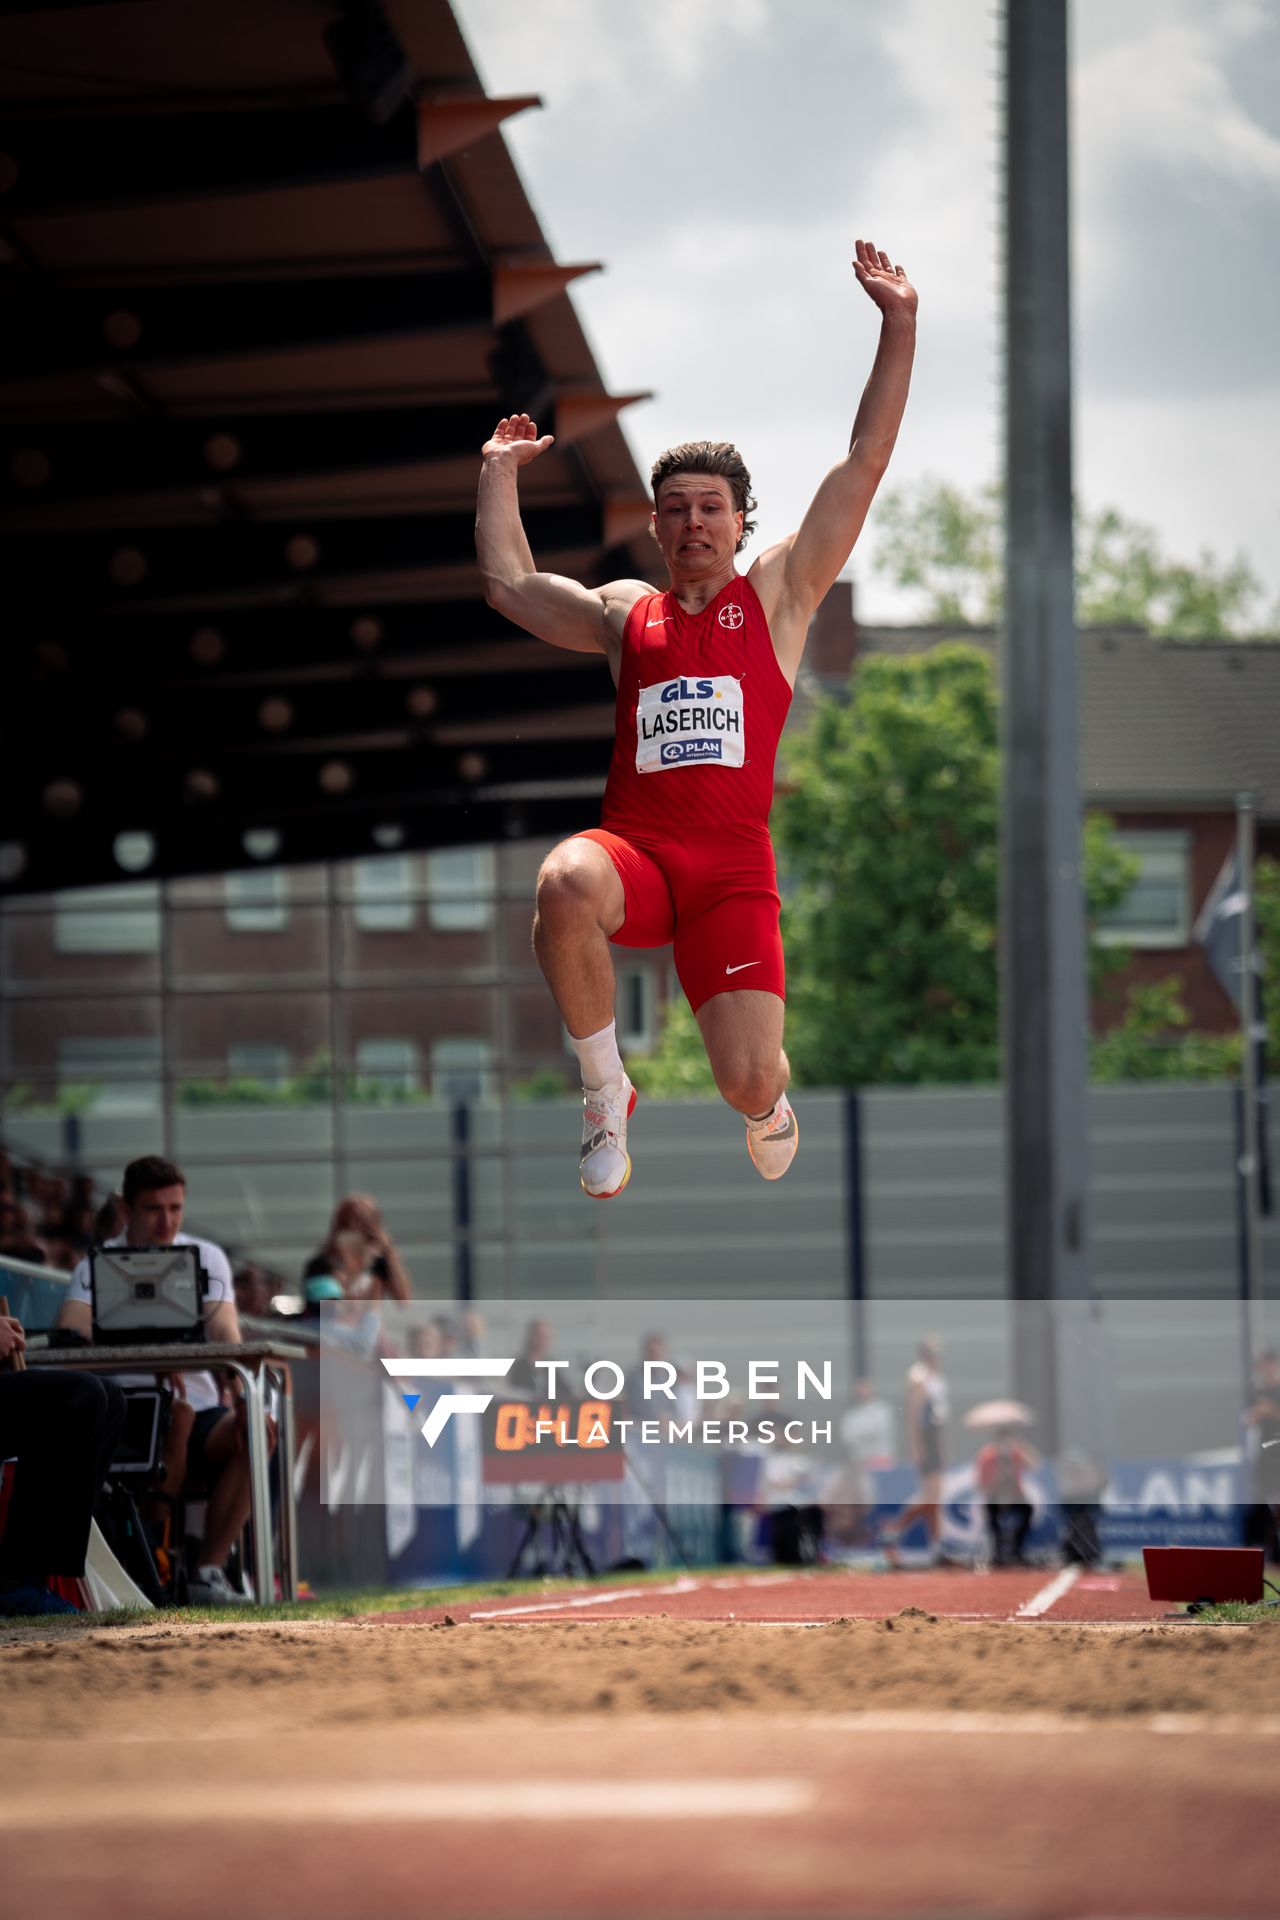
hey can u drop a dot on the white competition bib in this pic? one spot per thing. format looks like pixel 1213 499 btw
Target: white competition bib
pixel 689 723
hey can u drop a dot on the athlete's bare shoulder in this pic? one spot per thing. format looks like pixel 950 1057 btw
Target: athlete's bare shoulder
pixel 766 574
pixel 787 619
pixel 619 596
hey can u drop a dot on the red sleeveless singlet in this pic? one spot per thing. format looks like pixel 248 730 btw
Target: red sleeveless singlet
pixel 701 703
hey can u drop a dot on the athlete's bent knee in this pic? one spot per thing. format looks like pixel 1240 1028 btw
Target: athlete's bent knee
pixel 569 888
pixel 749 1086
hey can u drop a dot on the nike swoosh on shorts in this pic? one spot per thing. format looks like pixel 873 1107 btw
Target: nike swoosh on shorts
pixel 742 966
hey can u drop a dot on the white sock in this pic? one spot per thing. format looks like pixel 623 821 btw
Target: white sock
pixel 598 1057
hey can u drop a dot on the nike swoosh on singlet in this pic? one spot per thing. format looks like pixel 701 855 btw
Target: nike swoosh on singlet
pixel 742 965
pixel 658 623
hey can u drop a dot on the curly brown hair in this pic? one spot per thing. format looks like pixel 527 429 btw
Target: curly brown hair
pixel 710 456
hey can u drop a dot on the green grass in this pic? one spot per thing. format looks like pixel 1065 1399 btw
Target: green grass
pixel 1242 1610
pixel 337 1606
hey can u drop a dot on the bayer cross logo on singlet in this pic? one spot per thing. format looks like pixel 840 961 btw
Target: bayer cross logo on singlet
pixel 731 616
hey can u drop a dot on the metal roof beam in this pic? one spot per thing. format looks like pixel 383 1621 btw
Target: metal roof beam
pixel 46 329
pixel 192 650
pixel 165 723
pixel 56 857
pixel 64 462
pixel 134 794
pixel 56 570
pixel 257 645
pixel 142 152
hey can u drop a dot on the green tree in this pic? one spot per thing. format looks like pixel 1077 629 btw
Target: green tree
pixel 1155 1041
pixel 1109 873
pixel 887 828
pixel 948 545
pixel 677 1069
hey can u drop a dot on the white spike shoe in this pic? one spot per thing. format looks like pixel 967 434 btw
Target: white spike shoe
pixel 772 1142
pixel 604 1165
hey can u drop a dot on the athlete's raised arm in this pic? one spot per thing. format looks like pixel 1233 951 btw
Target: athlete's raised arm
pixel 548 605
pixel 794 575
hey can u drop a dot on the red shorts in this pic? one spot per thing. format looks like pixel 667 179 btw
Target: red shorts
pixel 716 902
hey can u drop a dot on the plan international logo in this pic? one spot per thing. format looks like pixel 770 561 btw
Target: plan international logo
pixel 605 1382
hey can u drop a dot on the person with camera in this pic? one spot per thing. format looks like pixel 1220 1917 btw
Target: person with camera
pixel 359 1213
pixel 208 1451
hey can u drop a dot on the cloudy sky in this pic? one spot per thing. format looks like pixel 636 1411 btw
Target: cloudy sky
pixel 721 157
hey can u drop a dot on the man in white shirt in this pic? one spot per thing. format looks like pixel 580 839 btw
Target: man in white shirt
pixel 154 1193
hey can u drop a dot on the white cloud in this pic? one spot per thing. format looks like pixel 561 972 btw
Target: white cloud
pixel 1165 100
pixel 1202 473
pixel 720 161
pixel 933 183
pixel 566 48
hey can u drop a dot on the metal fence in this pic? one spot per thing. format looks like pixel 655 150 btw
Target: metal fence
pixel 898 1193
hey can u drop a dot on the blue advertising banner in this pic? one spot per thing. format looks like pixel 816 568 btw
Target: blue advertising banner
pixel 1147 1503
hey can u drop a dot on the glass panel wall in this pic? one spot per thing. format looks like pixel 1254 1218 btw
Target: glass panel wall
pixel 289 1036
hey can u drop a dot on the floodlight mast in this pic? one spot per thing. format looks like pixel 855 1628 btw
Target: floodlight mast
pixel 1044 1002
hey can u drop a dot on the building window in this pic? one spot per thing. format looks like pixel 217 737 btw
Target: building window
pixel 267 1064
pixel 393 1064
pixel 460 885
pixel 119 1075
pixel 635 1009
pixel 256 901
pixel 461 1069
pixel 384 893
pixel 108 920
pixel 1156 911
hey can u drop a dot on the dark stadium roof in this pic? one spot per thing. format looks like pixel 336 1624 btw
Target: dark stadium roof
pixel 269 276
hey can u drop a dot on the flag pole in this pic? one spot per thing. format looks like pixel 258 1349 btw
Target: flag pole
pixel 1250 1160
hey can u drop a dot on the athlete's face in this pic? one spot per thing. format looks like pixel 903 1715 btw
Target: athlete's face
pixel 695 523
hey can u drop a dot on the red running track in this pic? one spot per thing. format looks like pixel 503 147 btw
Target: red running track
pixel 801 1598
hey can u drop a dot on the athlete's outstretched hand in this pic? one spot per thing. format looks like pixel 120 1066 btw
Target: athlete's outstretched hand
pixel 516 439
pixel 887 285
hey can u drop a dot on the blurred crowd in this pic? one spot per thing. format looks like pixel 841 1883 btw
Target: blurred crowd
pixel 51 1219
pixel 795 1501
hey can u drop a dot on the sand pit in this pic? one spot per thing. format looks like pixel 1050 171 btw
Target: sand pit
pixel 639 1766
pixel 331 1675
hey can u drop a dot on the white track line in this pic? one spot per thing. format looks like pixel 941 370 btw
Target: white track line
pixel 961 1721
pixel 434 1801
pixel 567 1600
pixel 1049 1596
pixel 877 1720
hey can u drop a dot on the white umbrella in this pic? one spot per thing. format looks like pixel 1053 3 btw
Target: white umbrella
pixel 1000 1413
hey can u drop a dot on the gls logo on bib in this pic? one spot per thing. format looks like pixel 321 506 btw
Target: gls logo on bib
pixel 681 723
